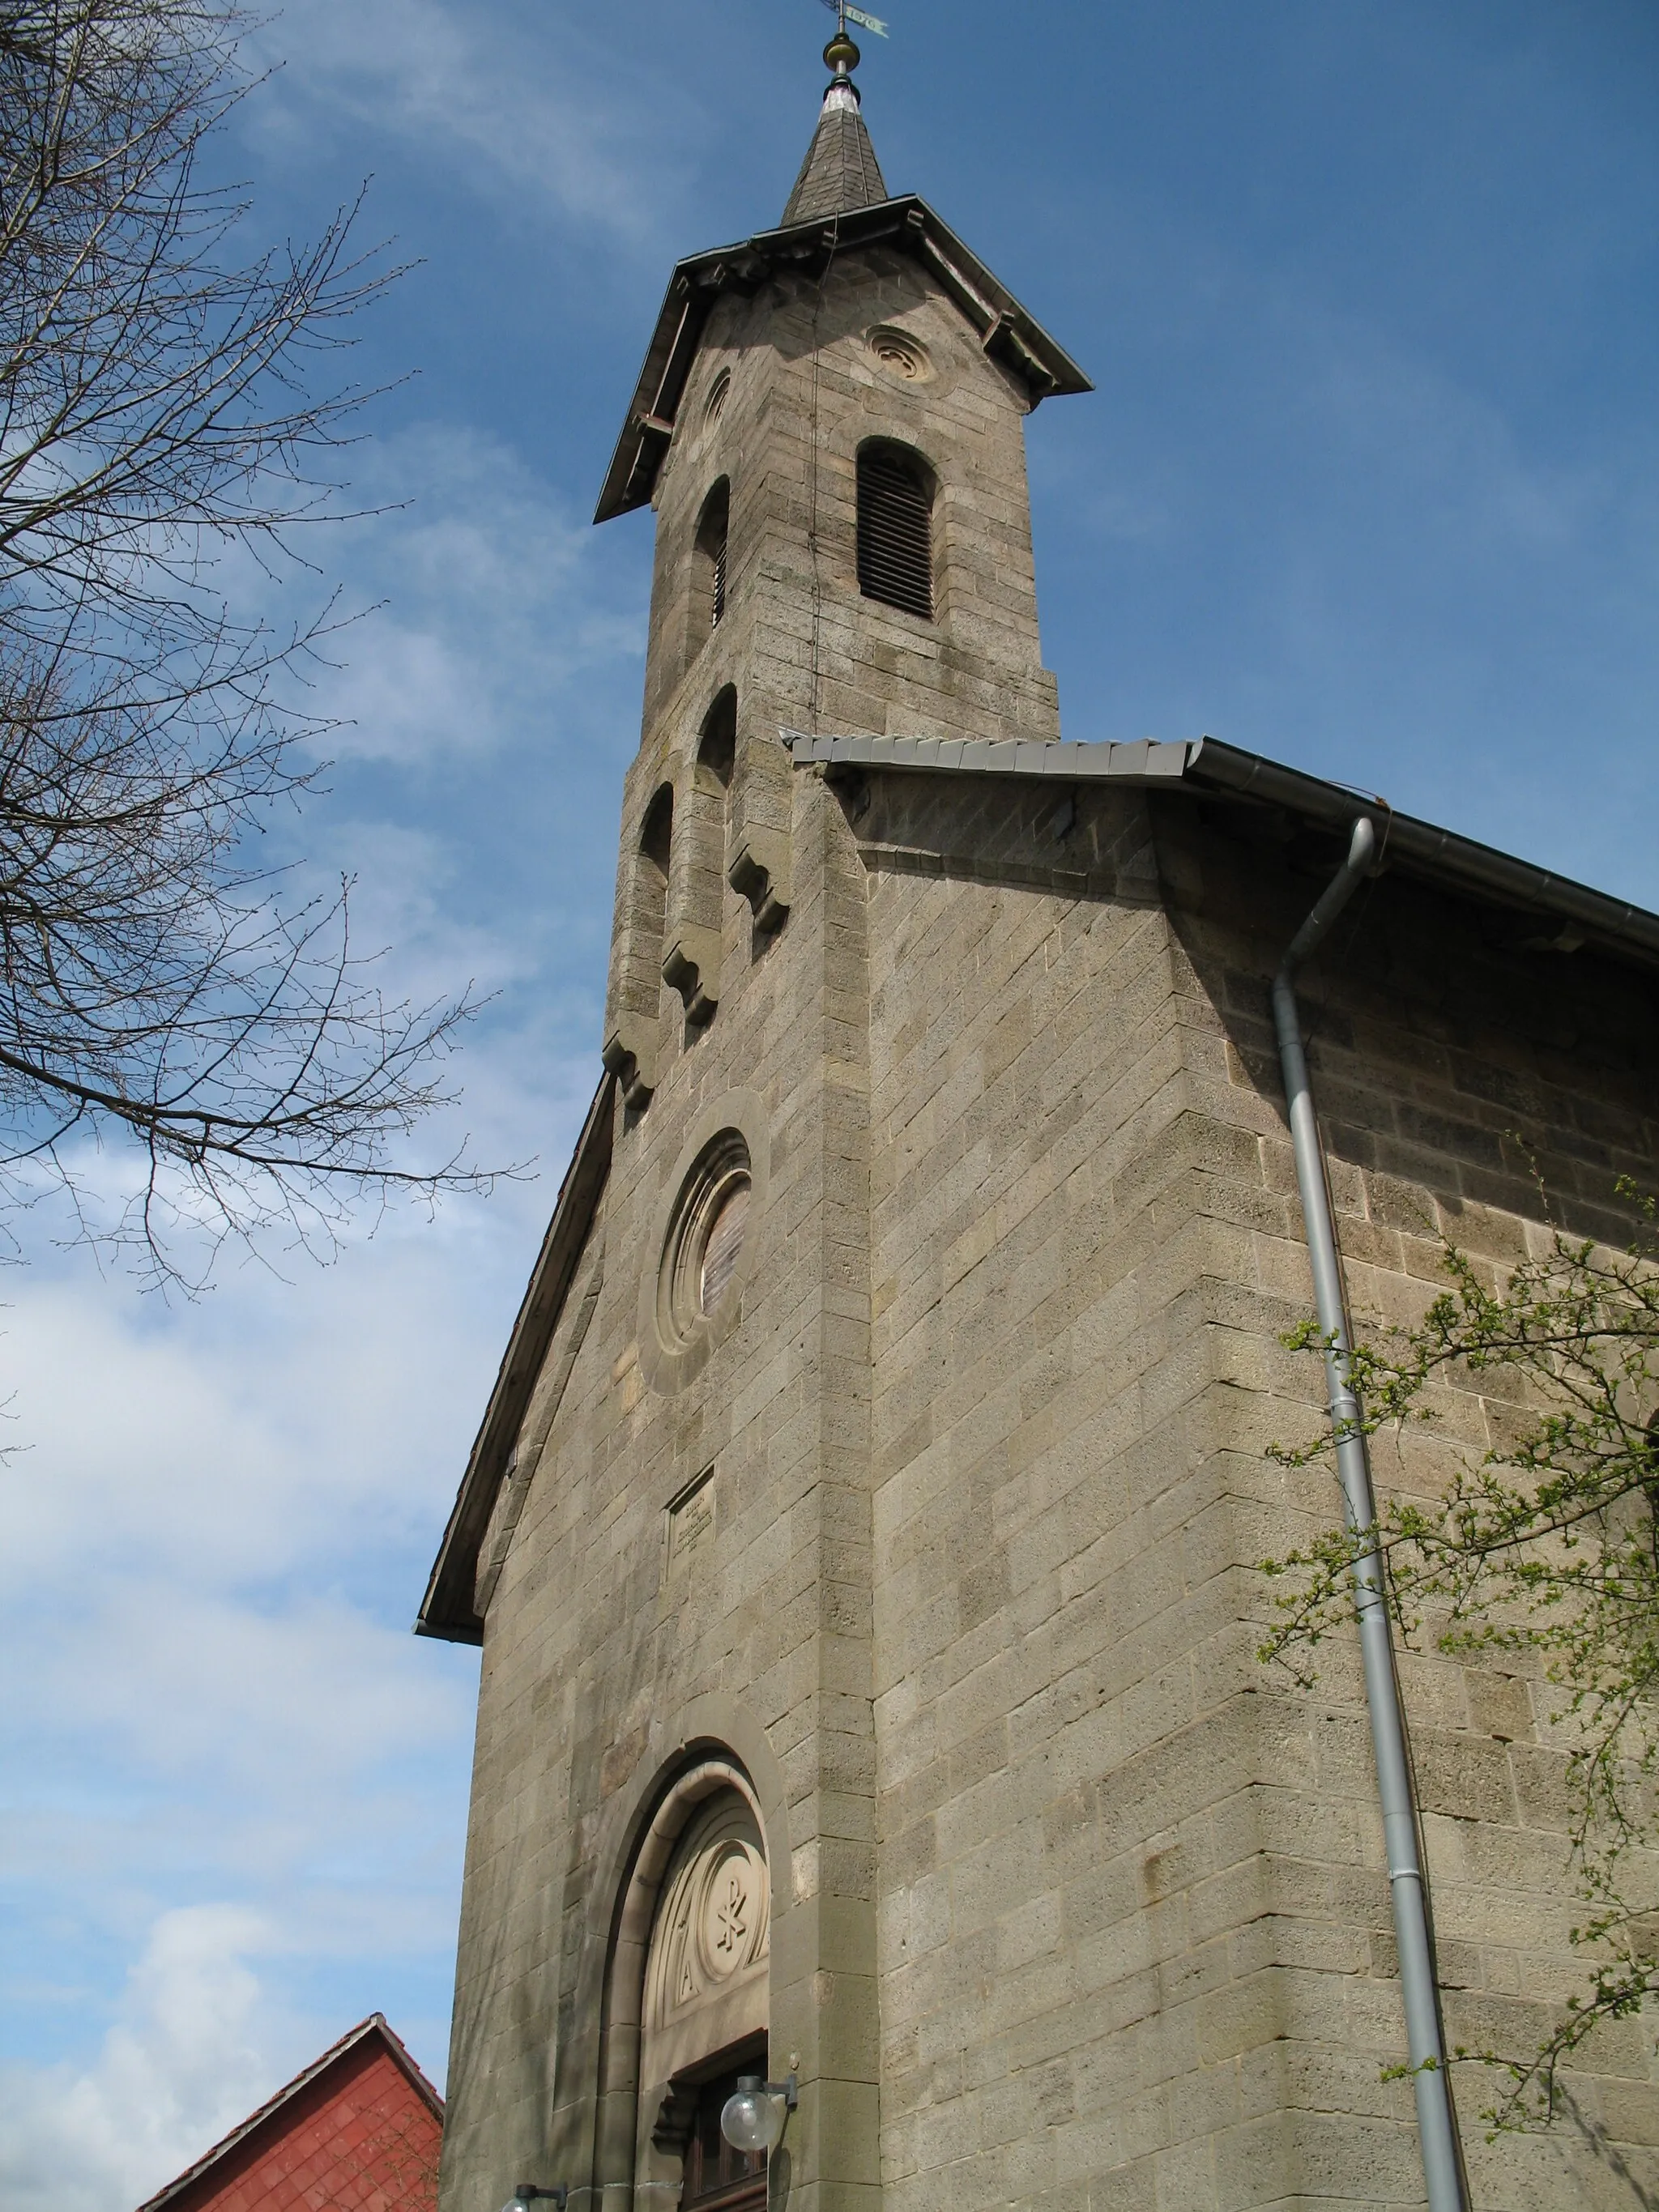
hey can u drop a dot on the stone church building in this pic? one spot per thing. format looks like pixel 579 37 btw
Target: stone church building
pixel 861 1533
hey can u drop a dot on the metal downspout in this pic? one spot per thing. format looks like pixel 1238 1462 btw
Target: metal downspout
pixel 1437 2129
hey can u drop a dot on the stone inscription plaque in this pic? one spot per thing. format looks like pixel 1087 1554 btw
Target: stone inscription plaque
pixel 691 1520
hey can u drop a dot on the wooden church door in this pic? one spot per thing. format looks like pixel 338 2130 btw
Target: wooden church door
pixel 718 2179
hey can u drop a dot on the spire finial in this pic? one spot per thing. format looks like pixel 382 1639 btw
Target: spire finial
pixel 842 56
pixel 840 170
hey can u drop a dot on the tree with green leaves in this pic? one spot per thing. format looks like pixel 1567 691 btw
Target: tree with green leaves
pixel 1542 1550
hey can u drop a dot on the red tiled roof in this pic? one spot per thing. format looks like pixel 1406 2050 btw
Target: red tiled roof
pixel 315 2142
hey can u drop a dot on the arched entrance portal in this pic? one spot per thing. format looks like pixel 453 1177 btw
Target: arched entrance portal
pixel 689 1995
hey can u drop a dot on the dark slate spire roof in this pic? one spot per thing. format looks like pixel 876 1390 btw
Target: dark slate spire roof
pixel 840 170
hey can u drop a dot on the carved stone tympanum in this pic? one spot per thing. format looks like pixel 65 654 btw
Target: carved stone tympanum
pixel 713 1925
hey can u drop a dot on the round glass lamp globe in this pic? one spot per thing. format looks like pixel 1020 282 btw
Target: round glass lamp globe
pixel 749 2119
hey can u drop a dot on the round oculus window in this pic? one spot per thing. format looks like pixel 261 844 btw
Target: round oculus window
pixel 705 1239
pixel 900 354
pixel 723 1243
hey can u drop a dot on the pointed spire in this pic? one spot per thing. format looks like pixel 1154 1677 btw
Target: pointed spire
pixel 840 170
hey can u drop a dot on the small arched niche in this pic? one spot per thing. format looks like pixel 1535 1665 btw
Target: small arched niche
pixel 692 951
pixel 701 2000
pixel 717 744
pixel 630 1044
pixel 656 847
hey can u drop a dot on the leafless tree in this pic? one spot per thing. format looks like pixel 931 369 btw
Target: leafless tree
pixel 161 423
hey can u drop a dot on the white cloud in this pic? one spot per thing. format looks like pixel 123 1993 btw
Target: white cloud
pixel 195 1522
pixel 487 596
pixel 216 1540
pixel 238 1779
pixel 281 1706
pixel 508 109
pixel 192 2051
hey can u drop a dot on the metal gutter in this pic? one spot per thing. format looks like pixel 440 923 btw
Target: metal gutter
pixel 1437 2125
pixel 1203 766
pixel 1431 850
pixel 1147 761
pixel 447 1611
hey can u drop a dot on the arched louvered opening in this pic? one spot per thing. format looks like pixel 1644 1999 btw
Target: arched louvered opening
pixel 896 528
pixel 709 564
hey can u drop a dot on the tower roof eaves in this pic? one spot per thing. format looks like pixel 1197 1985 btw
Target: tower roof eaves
pixel 1007 332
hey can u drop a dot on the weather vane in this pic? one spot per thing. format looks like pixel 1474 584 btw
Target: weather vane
pixel 845 15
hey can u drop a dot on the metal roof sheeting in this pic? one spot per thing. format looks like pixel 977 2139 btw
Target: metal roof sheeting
pixel 1205 765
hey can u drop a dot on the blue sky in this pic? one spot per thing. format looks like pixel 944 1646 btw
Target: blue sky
pixel 1368 484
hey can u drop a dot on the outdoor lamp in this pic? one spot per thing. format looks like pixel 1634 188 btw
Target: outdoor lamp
pixel 753 2118
pixel 527 2194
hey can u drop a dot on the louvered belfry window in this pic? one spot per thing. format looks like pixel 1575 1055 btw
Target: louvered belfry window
pixel 712 527
pixel 896 531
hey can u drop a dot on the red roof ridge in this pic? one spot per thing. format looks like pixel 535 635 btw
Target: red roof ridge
pixel 377 2023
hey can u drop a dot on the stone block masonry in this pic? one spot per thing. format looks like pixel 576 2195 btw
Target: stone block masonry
pixel 933 1536
pixel 1134 1912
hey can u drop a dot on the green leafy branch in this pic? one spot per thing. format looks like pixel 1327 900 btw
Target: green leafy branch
pixel 1546 1548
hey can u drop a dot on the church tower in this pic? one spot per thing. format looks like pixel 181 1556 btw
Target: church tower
pixel 860 1533
pixel 829 427
pixel 679 1700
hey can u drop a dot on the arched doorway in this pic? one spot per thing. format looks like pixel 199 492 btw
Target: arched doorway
pixel 690 1979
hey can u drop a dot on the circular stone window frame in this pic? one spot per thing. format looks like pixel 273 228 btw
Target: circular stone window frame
pixel 890 345
pixel 719 1172
pixel 677 1339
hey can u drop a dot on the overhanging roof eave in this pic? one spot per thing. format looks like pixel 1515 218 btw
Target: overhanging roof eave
pixel 1007 330
pixel 447 1610
pixel 1205 766
pixel 1428 849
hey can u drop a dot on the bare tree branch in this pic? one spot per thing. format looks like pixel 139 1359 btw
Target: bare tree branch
pixel 159 411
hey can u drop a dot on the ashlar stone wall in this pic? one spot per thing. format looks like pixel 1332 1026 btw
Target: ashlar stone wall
pixel 1074 1906
pixel 607 1656
pixel 604 1655
pixel 787 387
pixel 1077 1905
pixel 1135 1937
